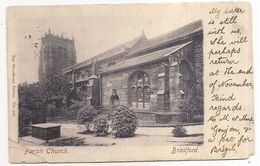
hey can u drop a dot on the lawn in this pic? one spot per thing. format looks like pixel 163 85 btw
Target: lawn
pixel 71 135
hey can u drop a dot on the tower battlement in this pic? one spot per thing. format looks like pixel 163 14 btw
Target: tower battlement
pixel 56 53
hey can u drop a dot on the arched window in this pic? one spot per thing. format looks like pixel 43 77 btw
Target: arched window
pixel 139 89
pixel 186 80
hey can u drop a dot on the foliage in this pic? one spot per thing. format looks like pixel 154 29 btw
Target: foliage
pixel 179 131
pixel 31 96
pixel 56 88
pixel 31 106
pixel 51 109
pixel 73 108
pixel 193 105
pixel 124 122
pixel 72 97
pixel 86 115
pixel 101 125
pixel 71 141
pixel 25 120
pixel 38 99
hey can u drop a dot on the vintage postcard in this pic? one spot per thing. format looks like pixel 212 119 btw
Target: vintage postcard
pixel 130 82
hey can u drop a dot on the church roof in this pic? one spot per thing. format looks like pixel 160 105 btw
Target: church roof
pixel 174 35
pixel 145 59
pixel 113 51
pixel 120 48
pixel 141 43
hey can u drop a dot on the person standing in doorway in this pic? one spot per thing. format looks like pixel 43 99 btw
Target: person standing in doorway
pixel 114 99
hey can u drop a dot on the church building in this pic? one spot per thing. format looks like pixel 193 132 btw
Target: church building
pixel 153 76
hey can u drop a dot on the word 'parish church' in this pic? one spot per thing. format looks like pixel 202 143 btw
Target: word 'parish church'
pixel 154 76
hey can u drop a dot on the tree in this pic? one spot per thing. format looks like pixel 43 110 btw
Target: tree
pixel 31 106
pixel 193 105
pixel 73 108
pixel 31 96
pixel 38 99
pixel 24 121
pixel 56 89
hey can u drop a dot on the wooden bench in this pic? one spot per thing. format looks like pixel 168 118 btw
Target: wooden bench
pixel 46 131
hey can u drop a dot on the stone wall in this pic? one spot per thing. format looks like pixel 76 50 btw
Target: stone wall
pixel 119 81
pixel 198 54
pixel 163 110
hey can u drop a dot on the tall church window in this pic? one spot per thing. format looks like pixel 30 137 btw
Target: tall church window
pixel 146 94
pixel 139 89
pixel 140 94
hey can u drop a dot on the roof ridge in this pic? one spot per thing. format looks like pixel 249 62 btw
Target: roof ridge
pixel 116 47
pixel 173 34
pixel 197 22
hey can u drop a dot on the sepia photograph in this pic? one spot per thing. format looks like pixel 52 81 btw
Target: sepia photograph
pixel 150 89
pixel 132 82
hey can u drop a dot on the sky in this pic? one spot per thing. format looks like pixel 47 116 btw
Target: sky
pixel 95 28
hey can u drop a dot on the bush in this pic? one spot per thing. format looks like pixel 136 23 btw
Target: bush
pixel 73 108
pixel 193 106
pixel 124 122
pixel 101 125
pixel 86 115
pixel 179 131
pixel 25 120
pixel 51 110
pixel 31 107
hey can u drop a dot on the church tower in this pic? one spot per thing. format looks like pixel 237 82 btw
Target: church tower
pixel 56 53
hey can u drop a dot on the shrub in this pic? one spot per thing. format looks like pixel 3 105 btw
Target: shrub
pixel 72 110
pixel 31 107
pixel 25 120
pixel 51 110
pixel 101 125
pixel 86 115
pixel 193 106
pixel 124 122
pixel 179 131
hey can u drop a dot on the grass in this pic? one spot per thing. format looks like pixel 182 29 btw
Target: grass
pixel 71 141
pixel 74 141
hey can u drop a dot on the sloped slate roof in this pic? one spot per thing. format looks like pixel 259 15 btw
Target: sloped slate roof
pixel 113 51
pixel 176 34
pixel 120 48
pixel 142 43
pixel 145 59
